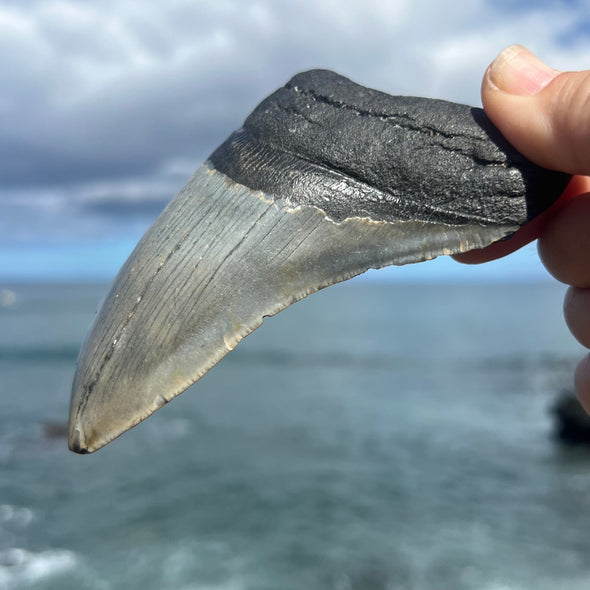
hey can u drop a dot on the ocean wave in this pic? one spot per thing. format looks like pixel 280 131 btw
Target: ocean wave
pixel 19 566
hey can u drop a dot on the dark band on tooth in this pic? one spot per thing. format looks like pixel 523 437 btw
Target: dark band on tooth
pixel 325 141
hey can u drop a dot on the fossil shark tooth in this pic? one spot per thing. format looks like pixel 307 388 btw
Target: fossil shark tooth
pixel 325 180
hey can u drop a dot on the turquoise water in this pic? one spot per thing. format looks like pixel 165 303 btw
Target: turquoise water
pixel 370 437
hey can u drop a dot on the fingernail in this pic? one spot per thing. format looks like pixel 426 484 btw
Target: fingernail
pixel 518 71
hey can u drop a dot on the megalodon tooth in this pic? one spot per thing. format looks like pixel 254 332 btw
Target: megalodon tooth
pixel 325 180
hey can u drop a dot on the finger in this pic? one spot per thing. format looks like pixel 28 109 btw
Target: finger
pixel 564 246
pixel 543 113
pixel 530 231
pixel 576 309
pixel 582 382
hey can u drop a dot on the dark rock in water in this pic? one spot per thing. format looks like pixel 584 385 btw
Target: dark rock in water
pixel 55 430
pixel 572 423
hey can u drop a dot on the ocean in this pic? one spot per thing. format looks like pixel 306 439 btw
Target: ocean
pixel 371 437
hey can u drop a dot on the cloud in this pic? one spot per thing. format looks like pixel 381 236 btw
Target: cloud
pixel 101 101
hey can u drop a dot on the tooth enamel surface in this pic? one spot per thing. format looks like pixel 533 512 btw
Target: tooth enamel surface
pixel 325 180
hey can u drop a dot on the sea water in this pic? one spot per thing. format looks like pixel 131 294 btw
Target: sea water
pixel 371 437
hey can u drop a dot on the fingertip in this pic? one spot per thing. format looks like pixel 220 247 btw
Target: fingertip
pixel 509 89
pixel 542 112
pixel 518 71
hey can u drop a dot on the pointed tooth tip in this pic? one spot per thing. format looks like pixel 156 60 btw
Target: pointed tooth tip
pixel 77 442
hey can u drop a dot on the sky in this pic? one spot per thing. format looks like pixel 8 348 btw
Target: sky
pixel 107 107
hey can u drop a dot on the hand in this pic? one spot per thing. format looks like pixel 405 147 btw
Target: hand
pixel 545 114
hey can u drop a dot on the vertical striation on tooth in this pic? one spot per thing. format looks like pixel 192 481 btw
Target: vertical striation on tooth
pixel 325 180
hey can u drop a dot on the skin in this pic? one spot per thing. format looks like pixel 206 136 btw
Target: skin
pixel 545 114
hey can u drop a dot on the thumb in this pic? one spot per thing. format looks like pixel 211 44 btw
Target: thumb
pixel 543 113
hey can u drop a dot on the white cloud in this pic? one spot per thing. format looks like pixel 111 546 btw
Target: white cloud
pixel 106 93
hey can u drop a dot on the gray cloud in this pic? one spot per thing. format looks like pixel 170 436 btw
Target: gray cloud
pixel 99 100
